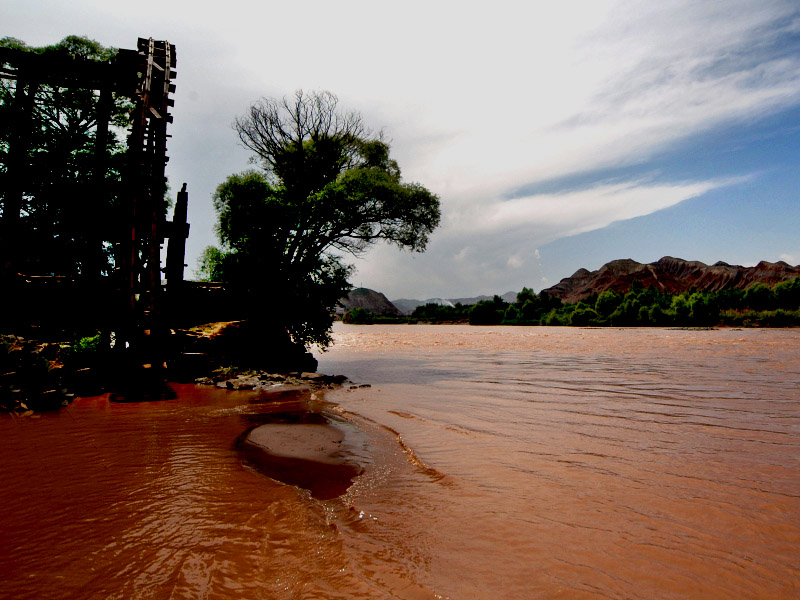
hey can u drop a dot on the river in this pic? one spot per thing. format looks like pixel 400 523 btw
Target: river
pixel 494 462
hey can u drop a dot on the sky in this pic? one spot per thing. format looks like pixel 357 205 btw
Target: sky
pixel 557 135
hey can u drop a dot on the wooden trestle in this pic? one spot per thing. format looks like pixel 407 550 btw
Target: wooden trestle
pixel 146 75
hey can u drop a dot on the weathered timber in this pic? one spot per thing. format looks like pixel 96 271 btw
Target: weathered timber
pixel 139 318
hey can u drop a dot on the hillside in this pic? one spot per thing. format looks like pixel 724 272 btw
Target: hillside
pixel 373 301
pixel 671 275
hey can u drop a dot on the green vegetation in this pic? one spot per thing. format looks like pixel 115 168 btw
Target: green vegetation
pixel 326 188
pixel 68 196
pixel 757 306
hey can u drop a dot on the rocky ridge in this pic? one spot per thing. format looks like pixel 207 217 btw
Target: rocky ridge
pixel 671 275
pixel 373 301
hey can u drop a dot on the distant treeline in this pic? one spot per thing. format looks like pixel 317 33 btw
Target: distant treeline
pixel 757 306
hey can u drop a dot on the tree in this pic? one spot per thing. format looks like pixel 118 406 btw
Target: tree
pixel 66 195
pixel 759 296
pixel 787 294
pixel 704 308
pixel 583 316
pixel 358 316
pixel 607 302
pixel 488 312
pixel 326 189
pixel 681 309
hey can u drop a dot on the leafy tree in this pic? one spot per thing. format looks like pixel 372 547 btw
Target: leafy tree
pixel 787 294
pixel 511 315
pixel 731 299
pixel 327 188
pixel 531 311
pixel 64 197
pixel 553 319
pixel 657 317
pixel 681 309
pixel 627 313
pixel 549 302
pixel 358 316
pixel 704 308
pixel 441 312
pixel 759 296
pixel 607 302
pixel 527 294
pixel 583 316
pixel 488 312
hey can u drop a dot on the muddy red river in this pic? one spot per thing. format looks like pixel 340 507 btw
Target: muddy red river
pixel 481 463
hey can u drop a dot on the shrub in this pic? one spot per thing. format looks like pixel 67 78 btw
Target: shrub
pixel 358 316
pixel 487 312
pixel 583 317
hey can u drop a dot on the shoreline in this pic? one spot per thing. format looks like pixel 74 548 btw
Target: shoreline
pixel 293 439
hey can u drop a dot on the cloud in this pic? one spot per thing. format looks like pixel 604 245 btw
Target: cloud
pixel 480 101
pixel 503 238
pixel 551 216
pixel 515 261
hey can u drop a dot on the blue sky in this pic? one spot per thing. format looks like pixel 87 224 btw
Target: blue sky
pixel 753 219
pixel 558 135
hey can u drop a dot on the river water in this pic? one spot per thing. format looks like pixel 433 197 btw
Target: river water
pixel 493 463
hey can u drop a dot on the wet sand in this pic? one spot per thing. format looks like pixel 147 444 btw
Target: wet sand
pixel 306 449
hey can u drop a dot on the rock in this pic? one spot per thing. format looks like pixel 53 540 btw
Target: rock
pixel 671 275
pixel 242 383
pixel 312 376
pixel 371 300
pixel 271 377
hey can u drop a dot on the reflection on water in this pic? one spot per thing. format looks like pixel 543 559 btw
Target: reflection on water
pixel 494 463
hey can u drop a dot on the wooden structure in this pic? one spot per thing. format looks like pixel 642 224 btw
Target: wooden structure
pixel 146 76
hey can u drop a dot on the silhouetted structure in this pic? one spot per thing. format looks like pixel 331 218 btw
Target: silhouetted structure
pixel 146 76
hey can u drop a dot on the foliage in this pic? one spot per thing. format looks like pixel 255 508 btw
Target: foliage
pixel 758 305
pixel 639 307
pixel 58 237
pixel 327 188
pixel 488 312
pixel 87 345
pixel 441 313
pixel 358 316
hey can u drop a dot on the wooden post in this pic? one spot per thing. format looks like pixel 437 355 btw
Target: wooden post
pixel 176 248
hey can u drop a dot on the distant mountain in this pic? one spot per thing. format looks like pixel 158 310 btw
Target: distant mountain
pixel 672 275
pixel 371 300
pixel 407 306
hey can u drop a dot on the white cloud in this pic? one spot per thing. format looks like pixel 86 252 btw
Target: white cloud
pixel 515 261
pixel 479 100
pixel 561 214
pixel 504 236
